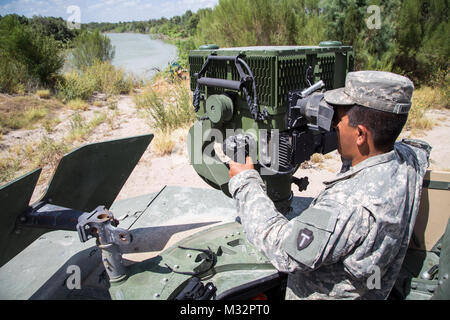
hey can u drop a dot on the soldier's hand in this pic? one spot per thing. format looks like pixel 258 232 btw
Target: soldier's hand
pixel 236 167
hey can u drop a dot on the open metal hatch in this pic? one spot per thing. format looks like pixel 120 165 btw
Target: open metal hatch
pixel 87 177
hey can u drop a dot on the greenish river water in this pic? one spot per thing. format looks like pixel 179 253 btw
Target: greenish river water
pixel 141 55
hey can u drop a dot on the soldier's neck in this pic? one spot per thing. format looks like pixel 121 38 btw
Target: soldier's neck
pixel 361 157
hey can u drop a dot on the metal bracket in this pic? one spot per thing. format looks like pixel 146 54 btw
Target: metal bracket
pixel 100 224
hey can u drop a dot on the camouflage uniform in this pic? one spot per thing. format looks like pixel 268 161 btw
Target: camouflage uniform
pixel 357 228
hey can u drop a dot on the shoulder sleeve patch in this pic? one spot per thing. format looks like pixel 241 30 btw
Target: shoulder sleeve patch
pixel 305 237
pixel 309 236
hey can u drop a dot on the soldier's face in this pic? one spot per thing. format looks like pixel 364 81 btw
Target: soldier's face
pixel 346 134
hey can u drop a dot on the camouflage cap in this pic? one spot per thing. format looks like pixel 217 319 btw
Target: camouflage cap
pixel 378 90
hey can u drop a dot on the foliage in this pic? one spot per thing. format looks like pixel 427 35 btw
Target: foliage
pixel 13 75
pixel 53 27
pixel 266 22
pixel 28 58
pixel 108 79
pixel 176 27
pixel 101 77
pixel 75 86
pixel 422 35
pixel 167 110
pixel 412 38
pixel 90 48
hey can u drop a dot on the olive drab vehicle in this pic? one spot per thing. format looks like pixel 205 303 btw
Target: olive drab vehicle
pixel 79 242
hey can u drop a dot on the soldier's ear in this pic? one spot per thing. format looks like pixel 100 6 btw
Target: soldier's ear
pixel 362 135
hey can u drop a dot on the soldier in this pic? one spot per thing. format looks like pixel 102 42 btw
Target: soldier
pixel 350 243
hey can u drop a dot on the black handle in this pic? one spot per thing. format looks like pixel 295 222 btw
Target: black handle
pixel 245 79
pixel 214 82
pixel 222 58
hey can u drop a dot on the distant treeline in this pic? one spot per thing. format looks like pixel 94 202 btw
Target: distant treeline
pixel 176 27
pixel 404 36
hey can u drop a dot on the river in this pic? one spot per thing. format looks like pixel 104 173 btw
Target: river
pixel 139 54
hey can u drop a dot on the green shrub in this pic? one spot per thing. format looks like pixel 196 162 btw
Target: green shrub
pixel 28 58
pixel 108 79
pixel 74 86
pixel 101 76
pixel 183 47
pixel 167 111
pixel 13 75
pixel 90 48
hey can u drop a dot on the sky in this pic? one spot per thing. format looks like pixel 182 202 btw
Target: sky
pixel 103 10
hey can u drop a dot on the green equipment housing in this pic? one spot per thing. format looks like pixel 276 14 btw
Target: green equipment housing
pixel 251 90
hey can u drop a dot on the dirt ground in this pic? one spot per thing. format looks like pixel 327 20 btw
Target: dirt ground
pixel 153 172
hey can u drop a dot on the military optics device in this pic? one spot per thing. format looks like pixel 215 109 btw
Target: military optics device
pixel 264 102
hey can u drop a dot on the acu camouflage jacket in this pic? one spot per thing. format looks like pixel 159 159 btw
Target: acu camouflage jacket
pixel 359 226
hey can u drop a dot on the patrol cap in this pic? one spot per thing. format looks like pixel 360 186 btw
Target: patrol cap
pixel 380 90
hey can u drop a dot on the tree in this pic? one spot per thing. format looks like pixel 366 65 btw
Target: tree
pixel 29 57
pixel 91 47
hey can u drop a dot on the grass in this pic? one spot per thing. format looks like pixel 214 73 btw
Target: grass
pixel 111 119
pixel 99 104
pixel 9 166
pixel 73 92
pixel 80 128
pixel 163 143
pixel 112 104
pixel 78 104
pixel 21 158
pixel 34 114
pixel 23 112
pixel 425 99
pixel 49 152
pixel 167 106
pixel 75 86
pixel 431 97
pixel 110 80
pixel 43 94
pixel 49 124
